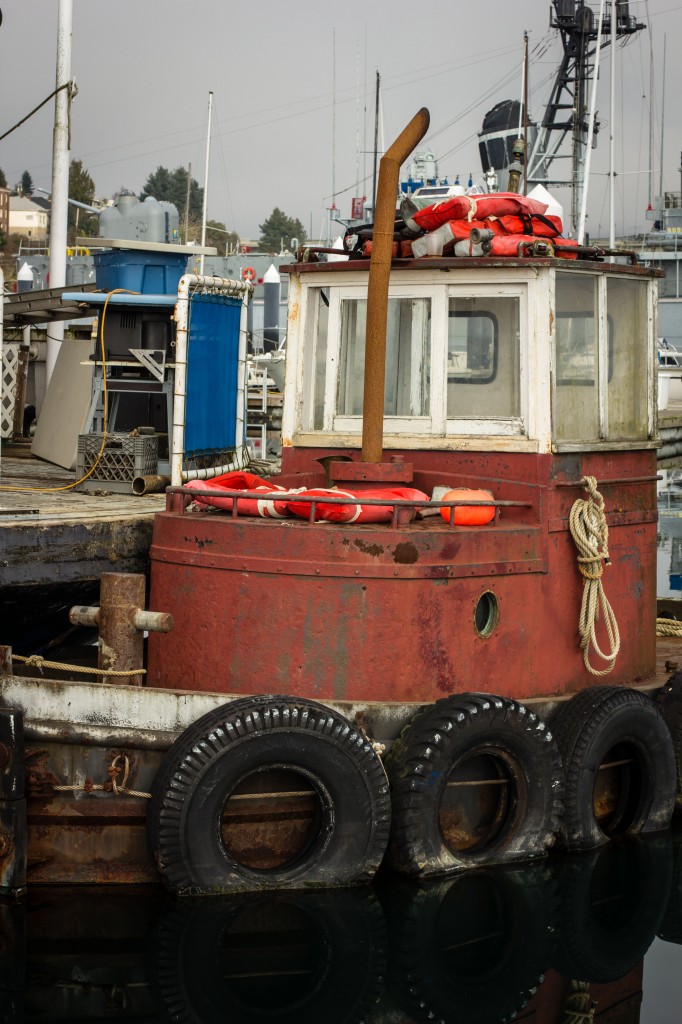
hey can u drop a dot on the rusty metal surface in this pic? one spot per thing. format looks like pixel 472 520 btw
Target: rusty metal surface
pixel 121 644
pixel 376 613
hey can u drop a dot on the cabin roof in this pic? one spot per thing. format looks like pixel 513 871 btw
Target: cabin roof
pixel 451 263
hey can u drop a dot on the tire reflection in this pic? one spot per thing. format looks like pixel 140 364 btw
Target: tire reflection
pixel 536 942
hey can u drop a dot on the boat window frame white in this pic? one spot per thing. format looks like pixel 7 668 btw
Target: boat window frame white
pixel 506 426
pixel 603 441
pixel 332 422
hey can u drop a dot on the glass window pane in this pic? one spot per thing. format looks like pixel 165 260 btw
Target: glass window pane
pixel 627 390
pixel 316 353
pixel 483 358
pixel 576 400
pixel 408 335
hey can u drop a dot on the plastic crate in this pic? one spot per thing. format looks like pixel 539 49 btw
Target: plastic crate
pixel 123 459
pixel 139 271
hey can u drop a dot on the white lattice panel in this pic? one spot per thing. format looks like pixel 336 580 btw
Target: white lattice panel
pixel 10 361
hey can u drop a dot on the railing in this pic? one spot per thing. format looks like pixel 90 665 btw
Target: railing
pixel 176 502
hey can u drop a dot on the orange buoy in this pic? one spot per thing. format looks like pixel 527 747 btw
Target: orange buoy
pixel 469 515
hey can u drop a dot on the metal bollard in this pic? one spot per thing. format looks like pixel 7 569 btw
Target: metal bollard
pixel 12 804
pixel 122 621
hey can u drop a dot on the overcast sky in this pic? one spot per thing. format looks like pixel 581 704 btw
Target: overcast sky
pixel 144 69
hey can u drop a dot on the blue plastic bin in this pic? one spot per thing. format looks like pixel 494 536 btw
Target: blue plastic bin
pixel 151 273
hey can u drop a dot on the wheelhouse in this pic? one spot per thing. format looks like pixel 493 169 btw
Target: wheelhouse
pixel 548 357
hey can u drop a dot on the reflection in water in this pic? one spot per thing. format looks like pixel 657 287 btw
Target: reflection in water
pixel 669 562
pixel 555 942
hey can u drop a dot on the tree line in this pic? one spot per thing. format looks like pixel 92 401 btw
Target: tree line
pixel 171 186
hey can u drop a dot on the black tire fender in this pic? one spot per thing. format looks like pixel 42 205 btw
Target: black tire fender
pixel 446 735
pixel 293 957
pixel 588 726
pixel 611 904
pixel 473 947
pixel 247 736
pixel 670 929
pixel 669 703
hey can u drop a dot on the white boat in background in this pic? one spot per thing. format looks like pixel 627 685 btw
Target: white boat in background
pixel 669 374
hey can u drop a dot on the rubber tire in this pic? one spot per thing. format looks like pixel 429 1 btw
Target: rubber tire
pixel 344 934
pixel 611 904
pixel 670 929
pixel 210 758
pixel 669 703
pixel 438 975
pixel 420 762
pixel 586 728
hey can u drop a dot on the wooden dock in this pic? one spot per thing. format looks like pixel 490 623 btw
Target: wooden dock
pixel 55 544
pixel 52 535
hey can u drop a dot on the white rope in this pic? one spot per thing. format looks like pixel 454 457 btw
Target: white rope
pixel 587 522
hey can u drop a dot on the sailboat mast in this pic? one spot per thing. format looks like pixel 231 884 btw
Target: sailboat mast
pixel 612 148
pixel 205 207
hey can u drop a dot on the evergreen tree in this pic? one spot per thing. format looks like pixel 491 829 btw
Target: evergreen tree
pixel 3 179
pixel 278 230
pixel 26 184
pixel 171 187
pixel 81 188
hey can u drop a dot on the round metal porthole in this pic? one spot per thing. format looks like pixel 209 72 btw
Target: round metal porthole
pixel 487 614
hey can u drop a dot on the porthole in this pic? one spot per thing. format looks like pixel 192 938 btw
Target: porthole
pixel 487 614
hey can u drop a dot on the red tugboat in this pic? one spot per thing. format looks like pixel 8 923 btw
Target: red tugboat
pixel 398 642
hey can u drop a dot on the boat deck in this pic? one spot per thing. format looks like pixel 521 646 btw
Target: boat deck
pixel 50 535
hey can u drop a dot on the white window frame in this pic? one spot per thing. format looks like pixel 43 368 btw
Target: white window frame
pixel 332 421
pixel 516 426
pixel 603 441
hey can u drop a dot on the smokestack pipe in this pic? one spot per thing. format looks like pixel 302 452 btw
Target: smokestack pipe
pixel 377 292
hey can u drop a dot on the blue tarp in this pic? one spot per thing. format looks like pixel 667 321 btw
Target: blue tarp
pixel 212 374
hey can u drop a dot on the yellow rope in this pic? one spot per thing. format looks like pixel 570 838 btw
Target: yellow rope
pixel 668 627
pixel 112 786
pixel 37 661
pixel 587 522
pixel 579 1008
pixel 68 487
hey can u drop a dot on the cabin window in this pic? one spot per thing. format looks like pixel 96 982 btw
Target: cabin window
pixel 601 359
pixel 626 302
pixel 406 391
pixel 317 334
pixel 483 358
pixel 576 403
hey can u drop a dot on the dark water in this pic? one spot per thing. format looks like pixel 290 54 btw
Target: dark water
pixel 573 939
pixel 479 948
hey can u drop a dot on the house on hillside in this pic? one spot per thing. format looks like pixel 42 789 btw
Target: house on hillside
pixel 27 218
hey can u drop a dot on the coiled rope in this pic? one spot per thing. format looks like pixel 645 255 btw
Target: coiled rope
pixel 579 1007
pixel 668 627
pixel 587 522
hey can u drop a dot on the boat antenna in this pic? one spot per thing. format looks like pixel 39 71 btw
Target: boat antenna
pixel 660 177
pixel 376 144
pixel 203 214
pixel 590 128
pixel 612 146
pixel 526 71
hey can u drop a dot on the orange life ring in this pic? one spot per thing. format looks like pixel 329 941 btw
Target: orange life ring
pixel 468 515
pixel 248 274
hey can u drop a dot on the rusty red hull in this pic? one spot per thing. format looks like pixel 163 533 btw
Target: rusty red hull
pixel 377 613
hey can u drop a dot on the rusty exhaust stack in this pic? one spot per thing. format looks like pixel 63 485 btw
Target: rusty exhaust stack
pixel 377 293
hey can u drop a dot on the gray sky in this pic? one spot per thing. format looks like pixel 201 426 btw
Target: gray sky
pixel 144 69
